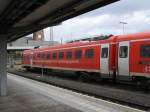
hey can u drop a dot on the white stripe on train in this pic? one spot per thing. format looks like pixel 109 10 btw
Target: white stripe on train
pixel 62 68
pixel 90 70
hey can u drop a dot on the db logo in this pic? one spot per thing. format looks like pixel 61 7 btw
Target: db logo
pixel 147 69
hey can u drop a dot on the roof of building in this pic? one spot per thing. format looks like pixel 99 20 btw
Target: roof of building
pixel 20 48
pixel 28 43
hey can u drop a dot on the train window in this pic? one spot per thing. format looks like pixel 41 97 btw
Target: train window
pixel 104 53
pixel 38 55
pixel 25 57
pixel 43 56
pixel 145 50
pixel 28 58
pixel 48 55
pixel 54 55
pixel 78 54
pixel 89 53
pixel 123 53
pixel 69 55
pixel 34 56
pixel 61 55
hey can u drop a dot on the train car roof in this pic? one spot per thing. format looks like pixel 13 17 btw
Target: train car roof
pixel 118 38
pixel 134 36
pixel 73 44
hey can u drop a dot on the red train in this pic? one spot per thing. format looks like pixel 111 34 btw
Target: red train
pixel 122 57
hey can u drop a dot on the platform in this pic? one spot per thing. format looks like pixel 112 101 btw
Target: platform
pixel 26 95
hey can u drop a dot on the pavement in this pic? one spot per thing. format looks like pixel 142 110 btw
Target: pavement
pixel 26 95
pixel 116 92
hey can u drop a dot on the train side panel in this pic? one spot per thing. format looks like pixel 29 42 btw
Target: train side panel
pixel 140 58
pixel 128 57
pixel 26 59
pixel 77 61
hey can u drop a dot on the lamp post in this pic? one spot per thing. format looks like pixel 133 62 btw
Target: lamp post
pixel 123 24
pixel 51 35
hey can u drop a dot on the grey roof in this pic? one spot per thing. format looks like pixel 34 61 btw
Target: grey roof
pixel 22 17
pixel 19 47
pixel 28 43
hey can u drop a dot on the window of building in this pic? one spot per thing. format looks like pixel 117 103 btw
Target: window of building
pixel 69 55
pixel 54 55
pixel 48 55
pixel 123 53
pixel 104 53
pixel 78 54
pixel 61 55
pixel 89 53
pixel 145 51
pixel 39 36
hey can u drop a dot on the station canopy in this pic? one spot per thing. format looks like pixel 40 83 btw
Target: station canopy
pixel 22 17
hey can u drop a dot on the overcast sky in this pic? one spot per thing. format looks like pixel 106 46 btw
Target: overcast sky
pixel 106 20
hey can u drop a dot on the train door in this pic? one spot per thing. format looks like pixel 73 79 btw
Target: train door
pixel 31 59
pixel 123 59
pixel 104 59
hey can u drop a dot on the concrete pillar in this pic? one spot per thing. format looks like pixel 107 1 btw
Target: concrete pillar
pixel 3 64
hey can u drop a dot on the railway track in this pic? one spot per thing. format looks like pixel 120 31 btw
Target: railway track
pixel 126 95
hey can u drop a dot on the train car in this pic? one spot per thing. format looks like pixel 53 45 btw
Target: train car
pixel 122 57
pixel 133 60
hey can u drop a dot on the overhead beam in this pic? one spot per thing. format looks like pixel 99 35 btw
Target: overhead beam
pixel 17 10
pixel 87 9
pixel 68 11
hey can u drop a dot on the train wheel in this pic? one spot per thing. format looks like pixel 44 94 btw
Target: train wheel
pixel 95 77
pixel 84 77
pixel 114 78
pixel 49 71
pixel 143 84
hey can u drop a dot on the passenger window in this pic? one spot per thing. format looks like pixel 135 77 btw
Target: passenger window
pixel 69 55
pixel 54 55
pixel 78 54
pixel 61 55
pixel 25 57
pixel 34 56
pixel 43 56
pixel 104 53
pixel 48 55
pixel 89 53
pixel 145 51
pixel 28 58
pixel 123 53
pixel 38 55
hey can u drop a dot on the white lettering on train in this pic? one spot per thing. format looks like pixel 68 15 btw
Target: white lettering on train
pixel 147 69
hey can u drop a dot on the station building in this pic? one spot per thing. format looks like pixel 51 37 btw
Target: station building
pixel 16 48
